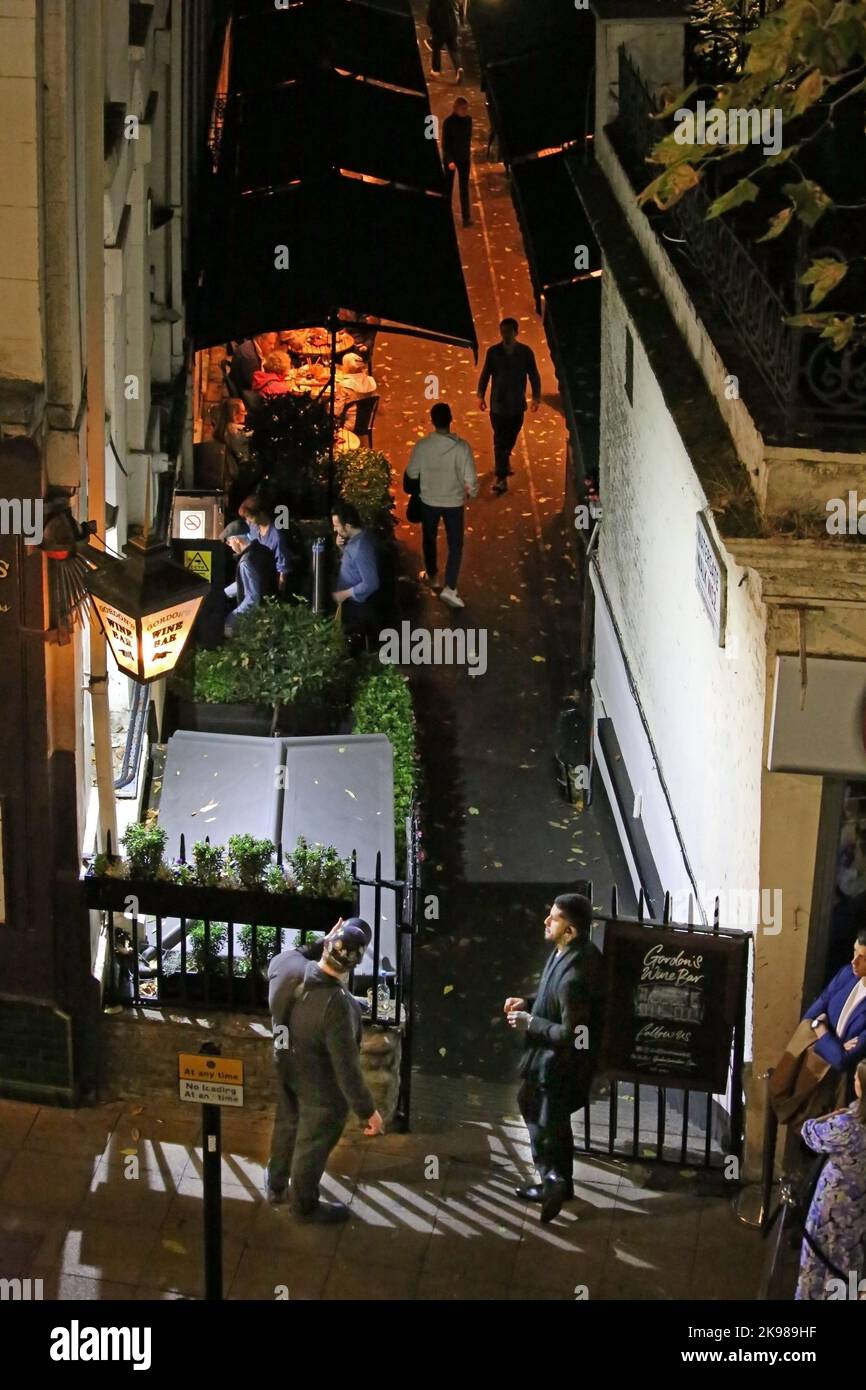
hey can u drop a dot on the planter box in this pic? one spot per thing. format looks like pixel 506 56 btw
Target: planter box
pixel 203 718
pixel 302 720
pixel 237 905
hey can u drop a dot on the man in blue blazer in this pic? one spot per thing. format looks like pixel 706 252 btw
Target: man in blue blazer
pixel 839 1013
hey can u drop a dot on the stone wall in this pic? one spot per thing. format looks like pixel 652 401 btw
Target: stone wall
pixel 140 1047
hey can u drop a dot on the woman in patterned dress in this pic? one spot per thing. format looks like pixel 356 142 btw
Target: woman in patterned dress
pixel 837 1216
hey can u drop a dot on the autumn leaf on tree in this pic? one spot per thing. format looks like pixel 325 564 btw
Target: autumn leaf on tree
pixel 809 199
pixel 745 191
pixel 777 224
pixel 824 274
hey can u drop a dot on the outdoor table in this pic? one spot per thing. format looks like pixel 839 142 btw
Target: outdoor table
pixel 315 342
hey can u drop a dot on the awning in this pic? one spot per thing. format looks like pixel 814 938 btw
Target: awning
pixel 368 247
pixel 327 122
pixel 538 101
pixel 276 46
pixel 511 28
pixel 572 323
pixel 553 222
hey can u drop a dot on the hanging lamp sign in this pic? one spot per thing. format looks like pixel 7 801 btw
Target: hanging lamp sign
pixel 146 607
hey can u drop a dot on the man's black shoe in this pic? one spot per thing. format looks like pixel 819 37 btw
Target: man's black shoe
pixel 534 1192
pixel 509 472
pixel 326 1214
pixel 553 1196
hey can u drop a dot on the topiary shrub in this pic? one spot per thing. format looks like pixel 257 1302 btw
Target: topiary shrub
pixel 363 477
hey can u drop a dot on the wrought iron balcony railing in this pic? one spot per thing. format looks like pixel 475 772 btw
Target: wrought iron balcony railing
pixel 814 386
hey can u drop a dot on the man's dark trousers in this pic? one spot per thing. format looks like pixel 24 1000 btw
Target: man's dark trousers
pixel 462 172
pixel 547 1113
pixel 285 1124
pixel 506 428
pixel 319 1131
pixel 453 518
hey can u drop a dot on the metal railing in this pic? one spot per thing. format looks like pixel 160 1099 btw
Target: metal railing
pixel 813 385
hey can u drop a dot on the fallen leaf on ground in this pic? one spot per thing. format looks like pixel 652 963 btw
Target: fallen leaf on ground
pixel 175 1247
pixel 539 658
pixel 447 989
pixel 474 811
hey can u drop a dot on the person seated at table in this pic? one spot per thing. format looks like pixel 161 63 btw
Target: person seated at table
pixel 359 583
pixel 260 527
pixel 256 575
pixel 274 379
pixel 236 434
pixel 247 358
pixel 353 376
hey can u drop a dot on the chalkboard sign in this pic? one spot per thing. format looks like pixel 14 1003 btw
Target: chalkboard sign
pixel 672 1003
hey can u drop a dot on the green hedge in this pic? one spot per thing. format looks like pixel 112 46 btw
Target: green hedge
pixel 279 653
pixel 383 705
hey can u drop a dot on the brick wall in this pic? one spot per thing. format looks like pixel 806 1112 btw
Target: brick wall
pixel 140 1047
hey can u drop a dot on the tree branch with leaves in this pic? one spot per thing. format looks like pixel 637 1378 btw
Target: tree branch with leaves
pixel 805 59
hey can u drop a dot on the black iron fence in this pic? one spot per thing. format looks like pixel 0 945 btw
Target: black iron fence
pixel 662 1124
pixel 180 943
pixel 811 383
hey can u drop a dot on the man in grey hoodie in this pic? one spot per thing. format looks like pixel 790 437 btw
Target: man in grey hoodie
pixel 323 1061
pixel 445 465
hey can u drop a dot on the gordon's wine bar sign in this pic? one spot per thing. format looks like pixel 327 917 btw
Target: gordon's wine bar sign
pixel 672 1004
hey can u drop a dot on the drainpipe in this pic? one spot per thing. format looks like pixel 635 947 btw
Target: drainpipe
pixel 94 291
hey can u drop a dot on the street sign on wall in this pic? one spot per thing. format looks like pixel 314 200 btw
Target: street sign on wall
pixel 711 577
pixel 672 1004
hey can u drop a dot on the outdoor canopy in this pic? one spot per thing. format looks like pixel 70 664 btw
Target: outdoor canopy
pixel 339 257
pixel 357 126
pixel 271 46
pixel 512 28
pixel 557 116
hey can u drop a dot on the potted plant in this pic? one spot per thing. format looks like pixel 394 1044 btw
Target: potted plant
pixel 319 872
pixel 281 657
pixel 248 859
pixel 210 862
pixel 145 846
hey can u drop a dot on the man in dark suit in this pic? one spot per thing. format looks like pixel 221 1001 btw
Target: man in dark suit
pixel 562 1023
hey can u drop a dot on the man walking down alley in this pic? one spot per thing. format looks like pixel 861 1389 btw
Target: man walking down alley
pixel 508 365
pixel 445 467
pixel 456 154
pixel 562 1023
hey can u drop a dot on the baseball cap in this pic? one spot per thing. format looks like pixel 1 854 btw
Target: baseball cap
pixel 347 947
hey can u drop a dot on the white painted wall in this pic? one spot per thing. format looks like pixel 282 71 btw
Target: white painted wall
pixel 704 704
